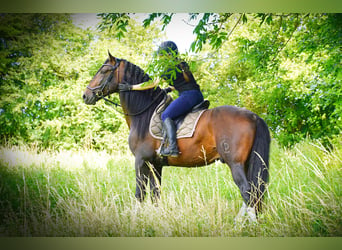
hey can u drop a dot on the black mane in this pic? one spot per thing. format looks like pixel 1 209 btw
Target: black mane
pixel 134 74
pixel 136 101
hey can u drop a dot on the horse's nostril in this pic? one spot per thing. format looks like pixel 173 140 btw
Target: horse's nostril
pixel 84 96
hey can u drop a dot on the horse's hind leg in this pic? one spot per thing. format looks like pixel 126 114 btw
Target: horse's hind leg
pixel 240 179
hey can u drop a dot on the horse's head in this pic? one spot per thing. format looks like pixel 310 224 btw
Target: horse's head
pixel 105 81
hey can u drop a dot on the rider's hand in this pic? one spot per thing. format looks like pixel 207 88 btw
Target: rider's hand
pixel 125 87
pixel 169 89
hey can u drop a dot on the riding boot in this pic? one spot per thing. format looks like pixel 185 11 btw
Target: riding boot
pixel 170 129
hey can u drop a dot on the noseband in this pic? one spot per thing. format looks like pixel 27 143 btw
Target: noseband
pixel 101 87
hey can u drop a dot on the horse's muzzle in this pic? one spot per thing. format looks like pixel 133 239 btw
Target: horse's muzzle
pixel 90 98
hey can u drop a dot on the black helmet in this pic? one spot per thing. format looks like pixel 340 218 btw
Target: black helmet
pixel 168 47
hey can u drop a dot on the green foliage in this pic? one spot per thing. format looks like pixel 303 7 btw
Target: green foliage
pixel 165 18
pixel 116 21
pixel 286 68
pixel 163 64
pixel 210 28
pixel 44 71
pixel 304 94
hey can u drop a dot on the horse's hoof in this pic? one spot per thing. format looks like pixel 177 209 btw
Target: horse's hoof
pixel 251 214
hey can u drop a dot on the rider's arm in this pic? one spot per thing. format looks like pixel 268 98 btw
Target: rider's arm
pixel 146 85
pixel 142 86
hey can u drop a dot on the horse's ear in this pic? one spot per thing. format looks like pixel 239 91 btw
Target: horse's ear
pixel 111 58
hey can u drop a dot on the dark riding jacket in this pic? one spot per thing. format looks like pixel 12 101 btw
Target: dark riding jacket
pixel 183 80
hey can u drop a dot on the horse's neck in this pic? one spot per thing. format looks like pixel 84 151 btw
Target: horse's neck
pixel 135 102
pixel 133 105
pixel 142 103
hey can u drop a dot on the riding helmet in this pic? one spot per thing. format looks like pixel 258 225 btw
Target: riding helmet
pixel 168 47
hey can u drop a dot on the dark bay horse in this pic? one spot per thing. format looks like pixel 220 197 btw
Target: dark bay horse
pixel 236 136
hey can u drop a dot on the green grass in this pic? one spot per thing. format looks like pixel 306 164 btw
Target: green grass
pixel 88 193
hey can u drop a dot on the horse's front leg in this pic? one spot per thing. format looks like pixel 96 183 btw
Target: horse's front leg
pixel 142 175
pixel 155 181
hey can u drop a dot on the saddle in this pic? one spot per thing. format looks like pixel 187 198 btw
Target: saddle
pixel 185 125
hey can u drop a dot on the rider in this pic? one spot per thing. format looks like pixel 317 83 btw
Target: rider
pixel 180 77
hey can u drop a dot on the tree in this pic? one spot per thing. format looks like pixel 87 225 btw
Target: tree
pixel 46 63
pixel 291 75
pixel 286 67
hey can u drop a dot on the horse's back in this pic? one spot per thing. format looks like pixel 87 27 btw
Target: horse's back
pixel 226 120
pixel 233 112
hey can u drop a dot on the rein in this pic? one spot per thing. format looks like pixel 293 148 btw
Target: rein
pixel 140 112
pixel 101 87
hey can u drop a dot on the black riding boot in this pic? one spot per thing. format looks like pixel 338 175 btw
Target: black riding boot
pixel 170 129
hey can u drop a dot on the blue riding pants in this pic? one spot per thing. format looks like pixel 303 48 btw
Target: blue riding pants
pixel 183 104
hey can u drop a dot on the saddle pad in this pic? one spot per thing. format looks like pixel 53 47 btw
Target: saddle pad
pixel 186 129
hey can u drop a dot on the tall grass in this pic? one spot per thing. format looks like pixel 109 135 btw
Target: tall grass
pixel 88 193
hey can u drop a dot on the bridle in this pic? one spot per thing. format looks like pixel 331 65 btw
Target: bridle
pixel 99 94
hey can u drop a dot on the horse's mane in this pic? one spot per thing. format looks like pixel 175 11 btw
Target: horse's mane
pixel 138 100
pixel 134 74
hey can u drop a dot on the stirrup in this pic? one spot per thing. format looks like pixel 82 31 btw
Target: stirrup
pixel 169 152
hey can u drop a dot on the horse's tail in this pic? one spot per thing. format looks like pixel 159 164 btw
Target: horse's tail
pixel 258 169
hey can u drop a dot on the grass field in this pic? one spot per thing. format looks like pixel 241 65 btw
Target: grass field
pixel 88 193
